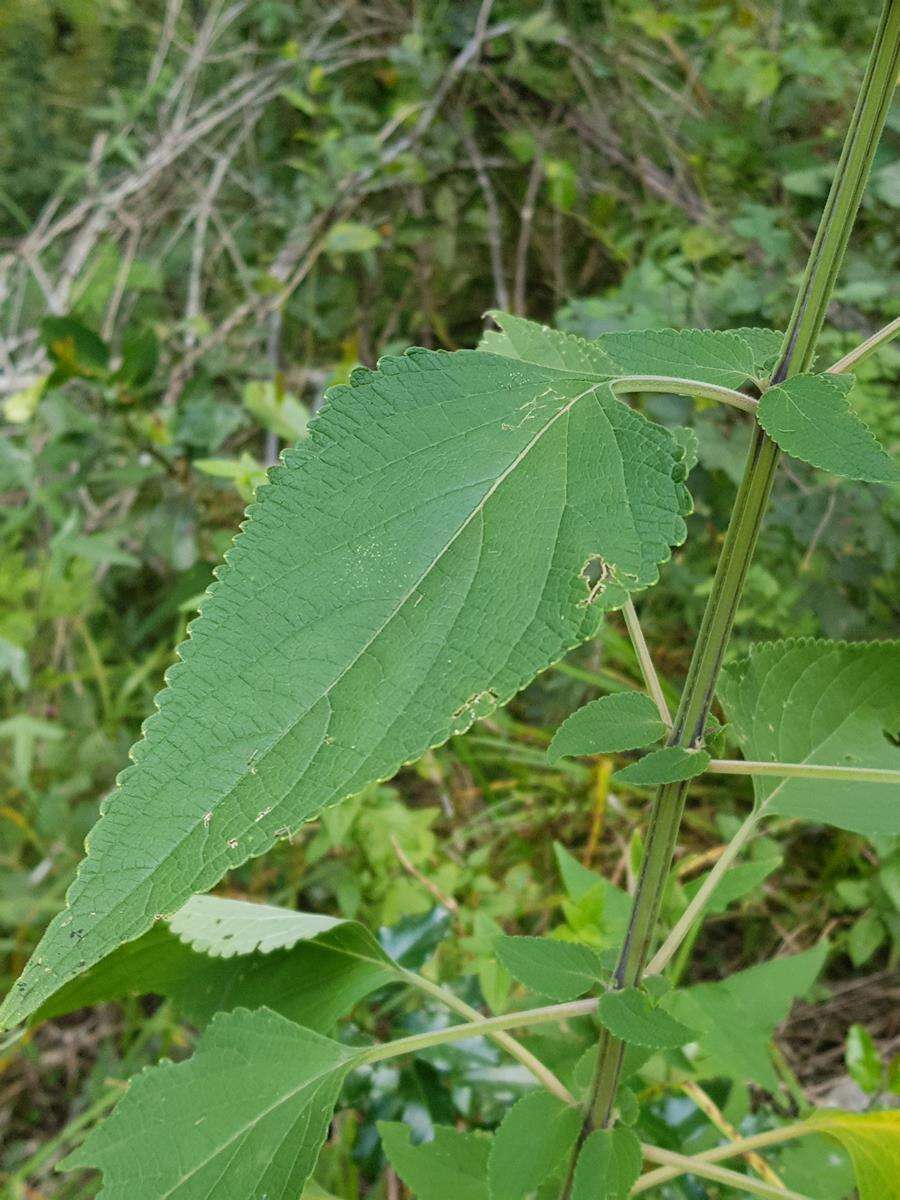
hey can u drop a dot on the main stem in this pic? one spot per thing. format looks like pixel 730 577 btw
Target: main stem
pixel 740 540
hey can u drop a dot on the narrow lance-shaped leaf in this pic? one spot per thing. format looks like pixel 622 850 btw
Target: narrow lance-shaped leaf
pixel 622 721
pixel 219 954
pixel 810 418
pixel 246 1115
pixel 816 701
pixel 381 598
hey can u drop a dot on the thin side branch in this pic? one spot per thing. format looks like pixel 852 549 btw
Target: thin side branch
pixel 648 670
pixel 864 349
pixel 695 1166
pixel 627 384
pixel 728 766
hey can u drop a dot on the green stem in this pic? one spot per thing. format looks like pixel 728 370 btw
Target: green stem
pixel 645 661
pixel 673 386
pixel 771 1137
pixel 693 911
pixel 727 766
pixel 515 1049
pixel 483 1027
pixel 864 349
pixel 743 529
pixel 683 1164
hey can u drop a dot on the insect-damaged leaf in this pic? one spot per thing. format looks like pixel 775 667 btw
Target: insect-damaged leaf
pixel 815 701
pixel 246 1115
pixel 622 721
pixel 809 417
pixel 381 597
pixel 219 954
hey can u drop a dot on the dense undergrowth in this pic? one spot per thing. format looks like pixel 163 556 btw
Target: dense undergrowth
pixel 237 205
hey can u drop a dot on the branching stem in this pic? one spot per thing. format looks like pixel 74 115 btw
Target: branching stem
pixel 804 326
pixel 683 1165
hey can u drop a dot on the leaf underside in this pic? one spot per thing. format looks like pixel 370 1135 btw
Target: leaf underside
pixel 246 1115
pixel 816 701
pixel 381 597
pixel 215 955
pixel 872 1141
pixel 809 417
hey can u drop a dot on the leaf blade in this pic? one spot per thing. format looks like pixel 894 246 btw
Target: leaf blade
pixel 550 967
pixel 668 765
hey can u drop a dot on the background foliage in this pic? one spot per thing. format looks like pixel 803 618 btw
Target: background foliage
pixel 210 212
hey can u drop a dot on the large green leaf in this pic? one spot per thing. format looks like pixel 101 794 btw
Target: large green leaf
pixel 245 1116
pixel 381 597
pixel 452 1166
pixel 752 1002
pixel 809 701
pixel 622 721
pixel 809 417
pixel 533 1141
pixel 219 954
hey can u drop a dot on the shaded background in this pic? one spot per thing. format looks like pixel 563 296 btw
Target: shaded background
pixel 208 213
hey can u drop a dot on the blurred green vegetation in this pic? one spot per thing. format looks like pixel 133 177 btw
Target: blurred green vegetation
pixel 209 213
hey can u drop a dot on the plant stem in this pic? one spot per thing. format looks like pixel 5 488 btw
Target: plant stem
pixel 515 1049
pixel 740 540
pixel 683 925
pixel 673 386
pixel 651 679
pixel 864 349
pixel 728 766
pixel 771 1137
pixel 483 1027
pixel 696 1166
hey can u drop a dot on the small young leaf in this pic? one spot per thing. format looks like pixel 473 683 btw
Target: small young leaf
pixel 807 701
pixel 873 1142
pixel 622 721
pixel 862 1060
pixel 453 1166
pixel 553 968
pixel 310 969
pixel 579 880
pixel 246 1115
pixel 533 1141
pixel 546 347
pixel 752 1002
pixel 668 765
pixel 629 1015
pixel 766 345
pixel 608 1165
pixel 808 416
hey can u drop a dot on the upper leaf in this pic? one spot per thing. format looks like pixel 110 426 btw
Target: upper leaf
pixel 453 1166
pixel 381 597
pixel 551 967
pixel 546 347
pixel 311 969
pixel 246 1115
pixel 533 1141
pixel 809 417
pixel 622 721
pixel 807 701
pixel 708 356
